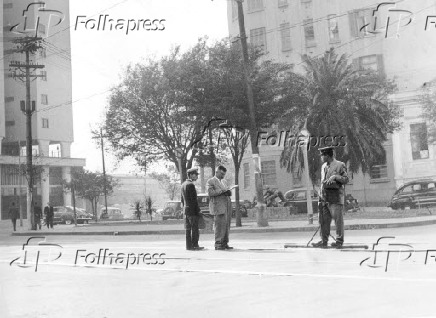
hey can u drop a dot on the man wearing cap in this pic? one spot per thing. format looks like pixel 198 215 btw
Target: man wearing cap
pixel 191 210
pixel 331 199
pixel 220 207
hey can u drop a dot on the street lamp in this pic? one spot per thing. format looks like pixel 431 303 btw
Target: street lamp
pixel 305 133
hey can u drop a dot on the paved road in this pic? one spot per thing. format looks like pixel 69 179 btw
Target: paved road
pixel 258 279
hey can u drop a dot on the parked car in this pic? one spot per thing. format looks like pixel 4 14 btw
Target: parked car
pixel 111 214
pixel 414 194
pixel 172 210
pixel 65 215
pixel 203 203
pixel 296 199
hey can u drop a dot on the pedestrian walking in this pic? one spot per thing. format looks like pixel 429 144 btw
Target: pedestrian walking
pixel 191 210
pixel 37 212
pixel 14 214
pixel 332 197
pixel 220 206
pixel 49 214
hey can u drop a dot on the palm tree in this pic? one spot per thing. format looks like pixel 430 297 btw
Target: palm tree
pixel 341 101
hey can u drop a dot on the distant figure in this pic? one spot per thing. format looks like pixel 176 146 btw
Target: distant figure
pixel 37 212
pixel 220 207
pixel 14 214
pixel 49 214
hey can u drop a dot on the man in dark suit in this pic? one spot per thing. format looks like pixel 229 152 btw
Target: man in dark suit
pixel 14 214
pixel 331 198
pixel 37 212
pixel 49 214
pixel 191 210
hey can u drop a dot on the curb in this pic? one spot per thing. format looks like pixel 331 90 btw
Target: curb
pixel 238 230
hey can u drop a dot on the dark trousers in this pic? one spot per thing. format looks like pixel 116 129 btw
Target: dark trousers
pixel 14 224
pixel 49 222
pixel 192 233
pixel 328 212
pixel 37 223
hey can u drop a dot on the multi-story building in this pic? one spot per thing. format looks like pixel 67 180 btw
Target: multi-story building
pixel 395 39
pixel 52 121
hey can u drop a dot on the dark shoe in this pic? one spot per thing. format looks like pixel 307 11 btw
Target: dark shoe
pixel 228 247
pixel 336 244
pixel 220 248
pixel 320 244
pixel 197 248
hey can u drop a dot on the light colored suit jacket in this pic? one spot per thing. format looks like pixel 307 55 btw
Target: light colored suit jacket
pixel 338 169
pixel 218 203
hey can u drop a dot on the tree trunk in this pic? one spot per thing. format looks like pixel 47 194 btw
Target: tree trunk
pixel 211 154
pixel 202 180
pixel 237 208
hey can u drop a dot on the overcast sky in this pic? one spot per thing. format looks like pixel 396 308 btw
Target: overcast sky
pixel 99 57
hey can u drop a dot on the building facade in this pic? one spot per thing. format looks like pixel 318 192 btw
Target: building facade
pixel 397 40
pixel 52 120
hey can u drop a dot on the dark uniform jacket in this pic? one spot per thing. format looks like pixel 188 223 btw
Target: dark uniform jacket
pixel 14 213
pixel 48 212
pixel 189 198
pixel 38 212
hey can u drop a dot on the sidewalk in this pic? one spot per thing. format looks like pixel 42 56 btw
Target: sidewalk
pixel 173 227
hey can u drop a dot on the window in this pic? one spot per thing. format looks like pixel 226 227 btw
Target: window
pixel 44 99
pixel 9 99
pixel 285 34
pixel 269 173
pixel 431 186
pixel 333 28
pixel 258 38
pixel 309 33
pixel 44 122
pixel 255 5
pixel 306 1
pixel 371 62
pixel 43 75
pixel 283 3
pixel 407 189
pixel 419 141
pixel 7 5
pixel 379 172
pixel 10 123
pixel 234 10
pixel 360 23
pixel 246 175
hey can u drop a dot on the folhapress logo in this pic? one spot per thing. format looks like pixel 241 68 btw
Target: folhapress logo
pixel 38 20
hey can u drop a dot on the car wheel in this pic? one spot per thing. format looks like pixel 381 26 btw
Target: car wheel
pixel 68 222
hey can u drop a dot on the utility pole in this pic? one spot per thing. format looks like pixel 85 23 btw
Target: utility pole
pixel 27 45
pixel 261 206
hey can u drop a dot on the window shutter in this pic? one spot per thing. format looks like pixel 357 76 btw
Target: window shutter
pixel 380 65
pixel 353 24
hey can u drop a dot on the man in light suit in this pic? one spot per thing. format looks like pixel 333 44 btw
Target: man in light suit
pixel 331 198
pixel 220 206
pixel 191 210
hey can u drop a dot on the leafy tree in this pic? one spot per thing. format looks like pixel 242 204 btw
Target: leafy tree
pixel 339 101
pixel 149 206
pixel 90 185
pixel 168 181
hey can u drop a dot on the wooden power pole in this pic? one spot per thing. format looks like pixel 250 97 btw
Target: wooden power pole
pixel 23 71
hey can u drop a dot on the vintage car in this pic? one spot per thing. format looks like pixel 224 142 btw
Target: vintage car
pixel 296 199
pixel 65 215
pixel 172 210
pixel 414 194
pixel 111 214
pixel 203 203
